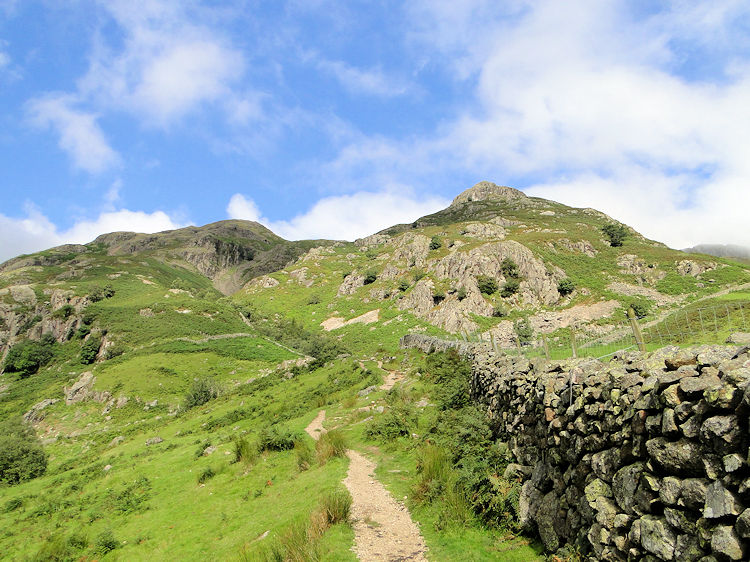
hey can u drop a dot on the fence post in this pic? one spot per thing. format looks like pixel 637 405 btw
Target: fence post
pixel 573 342
pixel 636 330
pixel 546 347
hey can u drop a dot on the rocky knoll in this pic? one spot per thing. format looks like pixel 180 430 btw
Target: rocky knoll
pixel 644 457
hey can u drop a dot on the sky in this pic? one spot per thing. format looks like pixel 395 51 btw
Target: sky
pixel 335 119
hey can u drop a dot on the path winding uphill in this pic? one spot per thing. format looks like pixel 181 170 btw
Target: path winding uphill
pixel 383 529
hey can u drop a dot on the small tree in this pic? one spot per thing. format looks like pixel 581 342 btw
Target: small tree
pixel 28 356
pixel 565 286
pixel 615 233
pixel 438 296
pixel 435 243
pixel 510 288
pixel 403 285
pixel 523 330
pixel 487 285
pixel 510 269
pixel 461 293
pixel 90 349
pixel 202 391
pixel 21 454
pixel 370 276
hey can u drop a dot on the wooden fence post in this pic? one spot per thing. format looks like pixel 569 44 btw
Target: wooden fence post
pixel 573 342
pixel 636 330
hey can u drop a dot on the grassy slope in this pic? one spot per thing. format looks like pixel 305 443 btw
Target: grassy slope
pixel 223 518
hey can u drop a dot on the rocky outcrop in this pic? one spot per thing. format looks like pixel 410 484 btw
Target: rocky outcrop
pixel 694 268
pixel 351 283
pixel 83 389
pixel 644 456
pixel 486 190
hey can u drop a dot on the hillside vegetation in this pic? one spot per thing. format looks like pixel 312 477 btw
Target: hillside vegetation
pixel 156 388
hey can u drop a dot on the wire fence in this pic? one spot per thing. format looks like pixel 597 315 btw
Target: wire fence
pixel 689 326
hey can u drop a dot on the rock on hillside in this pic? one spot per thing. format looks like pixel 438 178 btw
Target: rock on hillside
pixel 486 190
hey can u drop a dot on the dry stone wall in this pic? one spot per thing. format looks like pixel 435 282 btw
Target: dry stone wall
pixel 644 457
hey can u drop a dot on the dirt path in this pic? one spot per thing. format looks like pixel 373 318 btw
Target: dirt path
pixel 391 379
pixel 383 528
pixel 315 429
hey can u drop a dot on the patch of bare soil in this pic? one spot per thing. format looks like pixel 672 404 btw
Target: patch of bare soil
pixel 315 429
pixel 383 528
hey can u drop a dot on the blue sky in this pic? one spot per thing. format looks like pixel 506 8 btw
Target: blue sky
pixel 337 119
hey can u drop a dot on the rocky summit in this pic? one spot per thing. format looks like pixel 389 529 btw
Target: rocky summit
pixel 218 392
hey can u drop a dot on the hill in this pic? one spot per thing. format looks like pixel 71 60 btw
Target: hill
pixel 168 377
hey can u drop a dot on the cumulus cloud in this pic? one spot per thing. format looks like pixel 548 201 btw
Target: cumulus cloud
pixel 599 101
pixel 35 232
pixel 343 217
pixel 166 67
pixel 79 133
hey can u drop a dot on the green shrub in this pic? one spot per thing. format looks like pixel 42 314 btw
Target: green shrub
pixel 523 329
pixel 244 452
pixel 276 438
pixel 132 497
pixel 510 268
pixel 313 299
pixel 615 233
pixel 398 420
pixel 370 276
pixel 565 286
pixel 12 505
pixel 106 542
pixel 201 392
pixel 499 312
pixel 303 453
pixel 510 288
pixel 461 293
pixel 28 356
pixel 639 308
pixel 403 285
pixel 99 293
pixel 487 285
pixel 451 378
pixel 336 506
pixel 435 243
pixel 21 454
pixel 418 275
pixel 63 312
pixel 438 296
pixel 206 475
pixel 90 349
pixel 330 444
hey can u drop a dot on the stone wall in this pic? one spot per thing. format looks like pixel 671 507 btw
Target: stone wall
pixel 644 457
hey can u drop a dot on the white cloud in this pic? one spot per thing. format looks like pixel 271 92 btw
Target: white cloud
pixel 343 217
pixel 4 59
pixel 598 102
pixel 358 81
pixel 166 67
pixel 36 232
pixel 80 135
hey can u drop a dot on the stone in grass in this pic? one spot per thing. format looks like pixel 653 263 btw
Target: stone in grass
pixel 657 537
pixel 154 440
pixel 725 541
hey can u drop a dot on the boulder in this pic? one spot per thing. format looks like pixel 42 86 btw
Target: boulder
pixel 657 537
